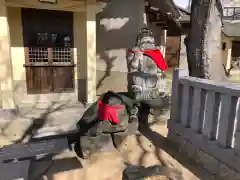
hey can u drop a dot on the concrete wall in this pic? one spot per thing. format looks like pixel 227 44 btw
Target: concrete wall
pixel 117 28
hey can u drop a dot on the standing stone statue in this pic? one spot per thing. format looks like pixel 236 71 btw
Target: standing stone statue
pixel 146 67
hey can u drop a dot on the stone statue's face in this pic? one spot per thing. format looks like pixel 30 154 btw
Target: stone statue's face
pixel 147 43
pixel 146 39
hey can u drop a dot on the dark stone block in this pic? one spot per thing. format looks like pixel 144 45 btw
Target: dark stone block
pixel 157 171
pixel 29 150
pixel 87 145
pixel 140 173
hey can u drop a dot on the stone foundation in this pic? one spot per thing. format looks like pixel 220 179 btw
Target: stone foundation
pixel 206 158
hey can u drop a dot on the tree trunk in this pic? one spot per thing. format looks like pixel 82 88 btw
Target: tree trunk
pixel 203 43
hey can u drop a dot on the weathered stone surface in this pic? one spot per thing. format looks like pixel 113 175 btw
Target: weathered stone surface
pixel 188 148
pixel 227 173
pixel 208 162
pixel 87 145
pixel 173 137
pixel 133 126
pixel 108 127
pixel 118 138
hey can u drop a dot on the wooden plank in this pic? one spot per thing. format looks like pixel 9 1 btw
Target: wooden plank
pixel 22 151
pixel 63 79
pixel 50 56
pixel 186 106
pixel 227 120
pixel 43 79
pixel 26 53
pixel 29 79
pixel 38 79
pixel 197 109
pixel 210 121
pixel 176 94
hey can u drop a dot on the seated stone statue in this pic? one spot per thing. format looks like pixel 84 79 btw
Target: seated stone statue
pixel 111 113
pixel 146 67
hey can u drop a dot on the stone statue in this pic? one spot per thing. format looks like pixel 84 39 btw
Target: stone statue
pixel 111 114
pixel 146 68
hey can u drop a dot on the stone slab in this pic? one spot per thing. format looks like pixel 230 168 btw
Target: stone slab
pixel 15 171
pixel 28 150
pixel 88 145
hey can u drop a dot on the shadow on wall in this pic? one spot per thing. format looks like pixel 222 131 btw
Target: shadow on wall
pixel 117 27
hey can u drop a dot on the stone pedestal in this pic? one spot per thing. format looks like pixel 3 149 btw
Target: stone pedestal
pixel 87 145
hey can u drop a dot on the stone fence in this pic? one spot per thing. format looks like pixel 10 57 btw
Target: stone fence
pixel 204 123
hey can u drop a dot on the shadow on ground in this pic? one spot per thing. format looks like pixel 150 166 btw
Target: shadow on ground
pixel 50 169
pixel 161 142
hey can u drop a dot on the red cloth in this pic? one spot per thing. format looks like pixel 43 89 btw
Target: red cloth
pixel 108 113
pixel 156 56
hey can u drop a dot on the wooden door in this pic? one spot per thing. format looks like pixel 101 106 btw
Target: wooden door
pixel 48 42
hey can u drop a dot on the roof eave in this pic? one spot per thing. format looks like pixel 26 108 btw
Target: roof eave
pixel 166 6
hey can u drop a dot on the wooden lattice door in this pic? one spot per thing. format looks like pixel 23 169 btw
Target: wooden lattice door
pixel 48 42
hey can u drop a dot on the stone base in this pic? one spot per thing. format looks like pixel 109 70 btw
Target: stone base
pixel 87 145
pixel 119 137
pixel 219 161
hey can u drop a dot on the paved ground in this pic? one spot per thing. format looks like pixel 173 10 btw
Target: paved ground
pixel 146 149
pixel 149 148
pixel 38 122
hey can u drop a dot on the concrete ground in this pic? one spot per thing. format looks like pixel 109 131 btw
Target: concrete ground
pixel 37 122
pixel 235 76
pixel 146 149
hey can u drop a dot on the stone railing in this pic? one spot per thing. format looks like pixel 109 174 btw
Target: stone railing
pixel 231 13
pixel 203 124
